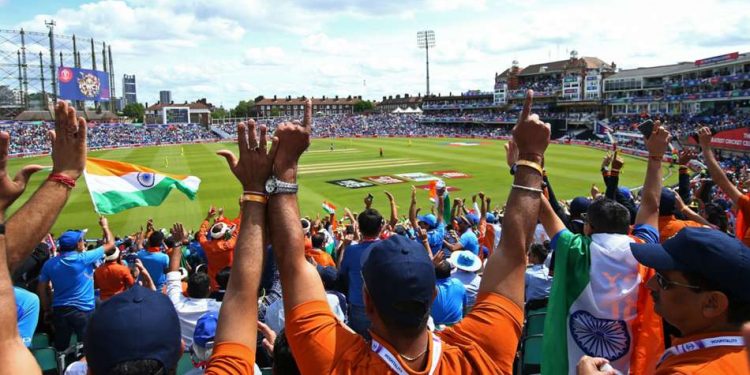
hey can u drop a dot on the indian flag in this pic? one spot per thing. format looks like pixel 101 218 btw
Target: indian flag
pixel 599 306
pixel 329 207
pixel 116 186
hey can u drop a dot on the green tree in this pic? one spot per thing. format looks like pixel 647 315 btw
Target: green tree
pixel 363 105
pixel 243 109
pixel 275 112
pixel 135 111
pixel 219 113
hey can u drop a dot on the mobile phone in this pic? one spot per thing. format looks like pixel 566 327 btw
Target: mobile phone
pixel 646 128
pixel 694 135
pixel 350 229
pixel 369 196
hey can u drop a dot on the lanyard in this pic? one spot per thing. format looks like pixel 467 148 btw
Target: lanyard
pixel 702 344
pixel 395 365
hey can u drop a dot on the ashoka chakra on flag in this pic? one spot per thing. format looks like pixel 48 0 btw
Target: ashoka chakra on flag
pixel 599 337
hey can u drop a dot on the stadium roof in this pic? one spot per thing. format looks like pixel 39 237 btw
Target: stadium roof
pixel 681 67
pixel 193 106
pixel 562 65
pixel 315 101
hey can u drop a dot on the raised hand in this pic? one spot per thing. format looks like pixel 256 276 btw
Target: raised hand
pixel 269 337
pixel 11 190
pixel 220 213
pixel 368 200
pixel 179 234
pixel 530 134
pixel 618 161
pixel 413 193
pixel 594 191
pixel 511 153
pixel 704 137
pixel 658 143
pixel 103 222
pixel 211 212
pixel 607 160
pixel 389 195
pixel 255 163
pixel 293 140
pixel 68 142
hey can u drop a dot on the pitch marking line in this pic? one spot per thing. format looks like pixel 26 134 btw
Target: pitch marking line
pixel 341 150
pixel 364 167
pixel 350 163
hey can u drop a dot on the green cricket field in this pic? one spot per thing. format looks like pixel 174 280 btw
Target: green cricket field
pixel 343 177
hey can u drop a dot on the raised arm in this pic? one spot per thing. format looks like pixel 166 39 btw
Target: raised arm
pixel 506 268
pixel 684 173
pixel 656 145
pixel 34 219
pixel 550 221
pixel 717 174
pixel 241 298
pixel 413 208
pixel 300 281
pixel 109 239
pixel 394 210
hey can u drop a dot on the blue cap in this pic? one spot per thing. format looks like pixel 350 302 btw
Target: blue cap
pixel 135 324
pixel 579 205
pixel 490 218
pixel 470 219
pixel 428 219
pixel 69 240
pixel 205 328
pixel 624 192
pixel 722 260
pixel 666 202
pixel 410 278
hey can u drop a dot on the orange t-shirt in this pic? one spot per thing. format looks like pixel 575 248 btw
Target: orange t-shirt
pixel 231 358
pixel 112 278
pixel 321 257
pixel 219 253
pixel 670 225
pixel 324 345
pixel 744 204
pixel 721 360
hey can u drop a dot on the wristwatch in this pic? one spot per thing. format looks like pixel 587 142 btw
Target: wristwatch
pixel 276 186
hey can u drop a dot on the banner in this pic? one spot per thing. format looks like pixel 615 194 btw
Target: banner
pixel 83 84
pixel 736 139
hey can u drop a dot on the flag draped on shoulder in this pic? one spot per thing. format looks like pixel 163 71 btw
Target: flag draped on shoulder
pixel 116 186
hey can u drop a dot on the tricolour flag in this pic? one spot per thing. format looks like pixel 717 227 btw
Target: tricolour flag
pixel 599 306
pixel 116 186
pixel 329 207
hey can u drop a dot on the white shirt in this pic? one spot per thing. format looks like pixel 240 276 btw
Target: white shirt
pixel 275 312
pixel 540 235
pixel 189 310
pixel 471 282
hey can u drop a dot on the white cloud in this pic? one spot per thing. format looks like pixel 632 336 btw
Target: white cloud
pixel 264 56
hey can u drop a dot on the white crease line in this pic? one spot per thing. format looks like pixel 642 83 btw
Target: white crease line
pixel 364 167
pixel 348 163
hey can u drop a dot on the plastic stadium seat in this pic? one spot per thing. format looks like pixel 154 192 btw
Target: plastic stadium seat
pixel 185 364
pixel 535 321
pixel 531 359
pixel 39 341
pixel 46 358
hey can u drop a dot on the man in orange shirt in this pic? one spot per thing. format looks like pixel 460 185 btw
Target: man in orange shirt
pixel 112 277
pixel 317 253
pixel 219 249
pixel 397 304
pixel 700 287
pixel 669 225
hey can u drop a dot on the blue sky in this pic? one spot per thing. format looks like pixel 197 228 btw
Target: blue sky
pixel 228 50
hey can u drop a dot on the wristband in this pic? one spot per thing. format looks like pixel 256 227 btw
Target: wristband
pixel 62 179
pixel 254 197
pixel 530 164
pixel 526 188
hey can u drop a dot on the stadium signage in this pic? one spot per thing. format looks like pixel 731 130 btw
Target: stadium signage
pixel 718 59
pixel 384 180
pixel 417 176
pixel 451 174
pixel 83 84
pixel 735 139
pixel 351 183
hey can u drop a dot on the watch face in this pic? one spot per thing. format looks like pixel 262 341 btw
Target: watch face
pixel 270 186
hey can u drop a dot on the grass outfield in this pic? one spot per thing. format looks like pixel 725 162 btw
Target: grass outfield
pixel 572 170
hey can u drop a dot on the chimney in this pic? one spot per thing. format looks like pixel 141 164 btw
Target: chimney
pixel 274 98
pixel 406 96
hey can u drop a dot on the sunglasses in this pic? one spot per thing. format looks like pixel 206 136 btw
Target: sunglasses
pixel 665 283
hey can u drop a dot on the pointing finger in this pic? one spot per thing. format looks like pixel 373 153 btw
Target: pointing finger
pixel 527 105
pixel 307 120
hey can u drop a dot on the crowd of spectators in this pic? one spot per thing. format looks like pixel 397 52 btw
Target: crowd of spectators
pixel 462 278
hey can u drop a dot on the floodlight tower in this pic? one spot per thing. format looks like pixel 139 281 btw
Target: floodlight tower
pixel 426 40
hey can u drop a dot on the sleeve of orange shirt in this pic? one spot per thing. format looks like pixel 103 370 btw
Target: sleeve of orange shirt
pixel 317 338
pixel 491 314
pixel 201 235
pixel 744 205
pixel 127 278
pixel 231 358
